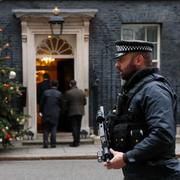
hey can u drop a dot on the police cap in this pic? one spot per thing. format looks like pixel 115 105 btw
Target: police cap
pixel 123 47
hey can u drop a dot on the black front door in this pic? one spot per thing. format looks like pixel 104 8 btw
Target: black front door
pixel 65 73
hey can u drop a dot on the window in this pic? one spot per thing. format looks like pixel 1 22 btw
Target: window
pixel 146 32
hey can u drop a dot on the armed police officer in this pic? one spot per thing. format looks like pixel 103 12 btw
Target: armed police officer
pixel 144 131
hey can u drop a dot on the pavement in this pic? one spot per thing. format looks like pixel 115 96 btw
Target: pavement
pixel 84 151
pixel 62 151
pixel 33 150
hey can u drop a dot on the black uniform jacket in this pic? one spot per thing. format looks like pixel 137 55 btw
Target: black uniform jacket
pixel 156 103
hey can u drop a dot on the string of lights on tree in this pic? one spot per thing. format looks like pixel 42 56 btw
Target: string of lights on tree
pixel 12 119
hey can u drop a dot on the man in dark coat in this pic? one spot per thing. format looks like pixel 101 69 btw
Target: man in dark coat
pixel 42 86
pixel 76 100
pixel 50 107
pixel 146 118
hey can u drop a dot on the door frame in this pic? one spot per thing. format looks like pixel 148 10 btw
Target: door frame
pixel 35 24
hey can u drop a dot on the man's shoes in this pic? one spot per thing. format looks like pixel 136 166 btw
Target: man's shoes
pixel 74 145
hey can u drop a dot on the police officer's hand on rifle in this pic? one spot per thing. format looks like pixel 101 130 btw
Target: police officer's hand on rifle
pixel 116 162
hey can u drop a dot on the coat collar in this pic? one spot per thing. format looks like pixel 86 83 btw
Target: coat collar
pixel 138 76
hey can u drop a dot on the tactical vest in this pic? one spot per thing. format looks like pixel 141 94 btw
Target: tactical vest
pixel 127 128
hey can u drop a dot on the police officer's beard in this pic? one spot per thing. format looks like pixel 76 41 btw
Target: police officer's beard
pixel 130 70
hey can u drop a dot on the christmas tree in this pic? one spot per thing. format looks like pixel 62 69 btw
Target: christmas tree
pixel 12 119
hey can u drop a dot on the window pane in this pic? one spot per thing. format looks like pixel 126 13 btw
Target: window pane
pixel 154 53
pixel 152 33
pixel 140 33
pixel 127 34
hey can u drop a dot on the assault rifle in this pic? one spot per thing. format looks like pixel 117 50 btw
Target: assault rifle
pixel 103 154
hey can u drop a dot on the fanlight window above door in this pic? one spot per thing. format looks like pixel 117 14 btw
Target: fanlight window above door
pixel 54 46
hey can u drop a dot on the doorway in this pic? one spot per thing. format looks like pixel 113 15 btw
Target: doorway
pixel 63 71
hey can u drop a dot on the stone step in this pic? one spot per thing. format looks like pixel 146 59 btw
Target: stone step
pixel 61 138
pixel 61 135
pixel 66 138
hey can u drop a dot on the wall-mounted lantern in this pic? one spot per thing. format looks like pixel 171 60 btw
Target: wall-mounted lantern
pixel 56 22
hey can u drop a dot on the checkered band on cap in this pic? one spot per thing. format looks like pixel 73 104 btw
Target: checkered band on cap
pixel 128 48
pixel 123 47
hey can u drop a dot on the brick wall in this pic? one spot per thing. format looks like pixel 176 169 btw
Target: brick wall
pixel 105 28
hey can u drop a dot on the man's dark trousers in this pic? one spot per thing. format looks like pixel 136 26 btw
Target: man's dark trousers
pixel 49 128
pixel 76 127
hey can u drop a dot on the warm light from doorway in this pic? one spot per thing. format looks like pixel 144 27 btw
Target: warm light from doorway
pixel 48 60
